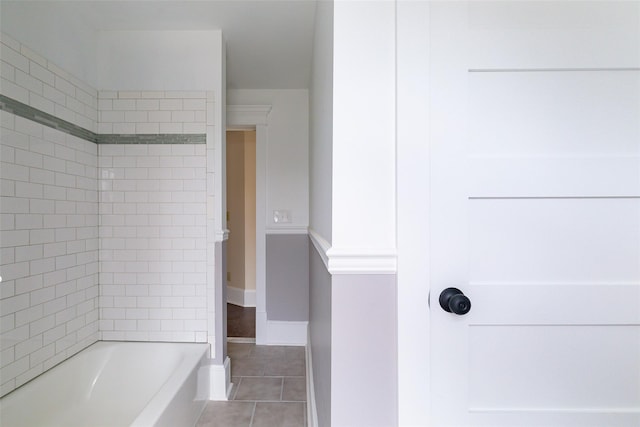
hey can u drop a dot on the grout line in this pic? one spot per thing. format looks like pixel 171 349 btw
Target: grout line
pixel 281 388
pixel 253 413
pixel 273 401
pixel 235 392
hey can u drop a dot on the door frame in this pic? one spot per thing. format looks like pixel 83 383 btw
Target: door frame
pixel 250 117
pixel 413 229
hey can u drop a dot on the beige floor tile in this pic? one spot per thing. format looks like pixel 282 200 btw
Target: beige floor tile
pixel 227 414
pixel 295 353
pixel 239 350
pixel 259 388
pixel 279 414
pixel 269 351
pixel 283 367
pixel 294 389
pixel 269 388
pixel 251 367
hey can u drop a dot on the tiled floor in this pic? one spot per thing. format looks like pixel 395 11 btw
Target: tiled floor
pixel 269 389
pixel 241 321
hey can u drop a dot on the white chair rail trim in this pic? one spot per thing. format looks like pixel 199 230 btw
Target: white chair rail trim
pixel 354 261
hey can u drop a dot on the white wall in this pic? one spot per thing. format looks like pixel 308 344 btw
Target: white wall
pixel 355 165
pixel 49 223
pixel 153 242
pixel 158 60
pixel 321 124
pixel 287 152
pixel 363 205
pixel 34 80
pixel 46 36
pixel 320 151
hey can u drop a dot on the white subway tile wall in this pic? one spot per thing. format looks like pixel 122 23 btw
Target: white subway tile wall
pixel 132 267
pixel 153 242
pixel 161 112
pixel 33 80
pixel 49 240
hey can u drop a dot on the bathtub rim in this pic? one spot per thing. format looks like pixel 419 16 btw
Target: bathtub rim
pixel 160 402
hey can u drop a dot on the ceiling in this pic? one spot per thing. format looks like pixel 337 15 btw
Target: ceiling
pixel 269 43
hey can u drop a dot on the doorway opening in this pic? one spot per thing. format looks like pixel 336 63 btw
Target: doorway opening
pixel 241 246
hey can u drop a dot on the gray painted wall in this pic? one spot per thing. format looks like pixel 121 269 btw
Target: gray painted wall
pixel 364 357
pixel 287 277
pixel 320 334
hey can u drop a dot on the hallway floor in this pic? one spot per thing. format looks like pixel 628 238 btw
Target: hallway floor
pixel 241 321
pixel 269 389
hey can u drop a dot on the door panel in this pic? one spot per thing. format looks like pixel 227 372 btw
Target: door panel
pixel 535 212
pixel 554 240
pixel 554 114
pixel 509 365
pixel 561 34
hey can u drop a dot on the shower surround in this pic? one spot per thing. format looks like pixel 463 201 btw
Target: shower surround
pixel 105 229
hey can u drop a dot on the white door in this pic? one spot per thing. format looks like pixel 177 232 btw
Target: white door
pixel 535 202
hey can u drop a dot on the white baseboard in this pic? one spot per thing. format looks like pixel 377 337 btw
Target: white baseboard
pixel 241 297
pixel 286 333
pixel 278 332
pixel 312 410
pixel 214 381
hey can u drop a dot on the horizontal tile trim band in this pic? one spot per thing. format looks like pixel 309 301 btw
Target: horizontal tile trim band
pixel 161 138
pixel 46 119
pixel 25 111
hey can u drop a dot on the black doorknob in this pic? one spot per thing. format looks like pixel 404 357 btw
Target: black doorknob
pixel 452 300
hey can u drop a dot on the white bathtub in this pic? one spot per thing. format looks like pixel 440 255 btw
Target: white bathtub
pixel 113 384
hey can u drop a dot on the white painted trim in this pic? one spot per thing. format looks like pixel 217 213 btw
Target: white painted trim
pixel 362 261
pixel 247 115
pixel 413 215
pixel 343 261
pixel 262 140
pixel 286 333
pixel 241 297
pixel 288 230
pixel 214 381
pixel 312 410
pixel 221 235
pixel 321 245
pixel 261 326
pixel 241 340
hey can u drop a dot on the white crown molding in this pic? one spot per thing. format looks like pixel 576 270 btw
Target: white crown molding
pixel 247 115
pixel 287 230
pixel 354 261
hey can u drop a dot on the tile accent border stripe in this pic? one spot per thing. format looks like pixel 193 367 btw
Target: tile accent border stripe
pixel 25 111
pixel 160 138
